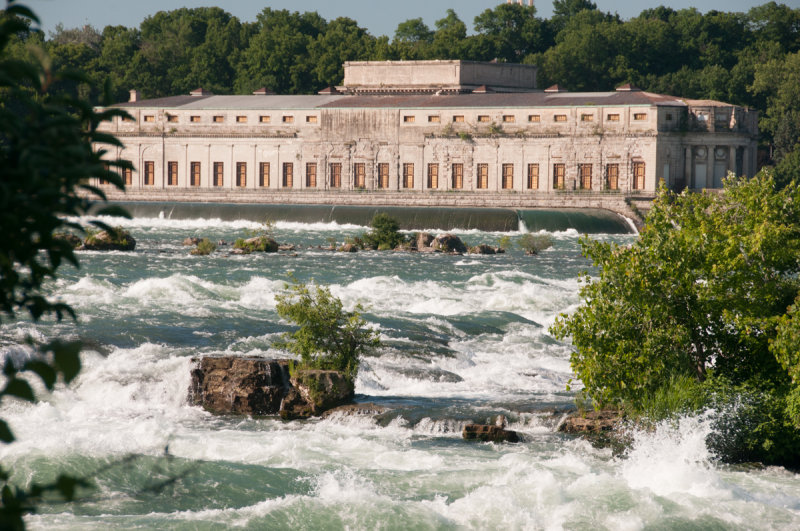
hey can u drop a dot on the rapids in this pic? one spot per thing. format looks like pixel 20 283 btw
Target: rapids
pixel 464 338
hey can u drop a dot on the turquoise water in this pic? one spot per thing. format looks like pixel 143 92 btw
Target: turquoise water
pixel 465 338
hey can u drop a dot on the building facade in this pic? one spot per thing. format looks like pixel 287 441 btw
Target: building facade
pixel 433 127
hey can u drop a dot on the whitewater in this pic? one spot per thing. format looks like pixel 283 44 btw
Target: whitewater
pixel 465 338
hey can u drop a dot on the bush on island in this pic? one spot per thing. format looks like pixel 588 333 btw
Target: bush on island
pixel 385 233
pixel 328 336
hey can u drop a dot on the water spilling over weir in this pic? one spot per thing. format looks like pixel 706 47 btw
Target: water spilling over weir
pixel 583 220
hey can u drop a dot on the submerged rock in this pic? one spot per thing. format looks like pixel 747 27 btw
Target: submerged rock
pixel 117 239
pixel 489 433
pixel 356 410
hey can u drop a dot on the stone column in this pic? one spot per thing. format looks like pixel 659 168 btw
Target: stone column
pixel 687 168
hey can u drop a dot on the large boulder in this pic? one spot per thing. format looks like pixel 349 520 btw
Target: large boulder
pixel 348 248
pixel 117 239
pixel 448 243
pixel 262 244
pixel 191 240
pixel 316 391
pixel 258 386
pixel 239 385
pixel 72 240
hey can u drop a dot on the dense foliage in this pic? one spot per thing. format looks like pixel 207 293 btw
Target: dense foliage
pixel 385 233
pixel 702 294
pixel 750 59
pixel 328 337
pixel 46 158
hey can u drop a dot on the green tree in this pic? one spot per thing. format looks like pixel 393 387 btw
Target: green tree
pixel 277 55
pixel 46 159
pixel 328 337
pixel 511 32
pixel 697 292
pixel 343 40
pixel 412 40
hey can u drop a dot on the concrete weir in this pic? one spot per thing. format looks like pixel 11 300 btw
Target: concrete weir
pixel 587 220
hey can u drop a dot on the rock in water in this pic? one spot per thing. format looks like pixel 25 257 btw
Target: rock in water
pixel 449 243
pixel 191 240
pixel 117 239
pixel 244 386
pixel 591 422
pixel 424 239
pixel 488 433
pixel 482 249
pixel 314 392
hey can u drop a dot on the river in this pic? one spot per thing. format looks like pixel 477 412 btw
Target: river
pixel 464 338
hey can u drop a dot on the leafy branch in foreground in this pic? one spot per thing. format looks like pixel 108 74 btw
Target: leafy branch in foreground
pixel 50 147
pixel 328 337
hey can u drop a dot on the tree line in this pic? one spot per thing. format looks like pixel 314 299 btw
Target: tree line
pixel 750 59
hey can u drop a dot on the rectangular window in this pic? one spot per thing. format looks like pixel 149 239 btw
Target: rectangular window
pixel 264 119
pixel 560 118
pixel 408 175
pixel 408 119
pixel 383 175
pixel 612 118
pixel 534 118
pixel 336 174
pixel 459 118
pixel 241 119
pixel 533 176
pixel 509 118
pixel 172 173
pixel 241 174
pixel 172 118
pixel 434 119
pixel 311 174
pixel 640 116
pixel 219 119
pixel 559 174
pixel 263 175
pixel 458 176
pixel 288 175
pixel 638 175
pixel 612 176
pixel 288 119
pixel 311 119
pixel 484 118
pixel 508 176
pixel 585 173
pixel 149 118
pixel 127 176
pixel 669 117
pixel 587 117
pixel 149 173
pixel 194 119
pixel 433 176
pixel 483 176
pixel 359 175
pixel 194 177
pixel 128 119
pixel 219 167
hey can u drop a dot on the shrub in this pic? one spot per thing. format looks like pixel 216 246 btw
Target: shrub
pixel 262 244
pixel 328 337
pixel 385 233
pixel 204 247
pixel 534 243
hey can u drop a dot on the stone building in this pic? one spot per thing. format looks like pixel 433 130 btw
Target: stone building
pixel 433 133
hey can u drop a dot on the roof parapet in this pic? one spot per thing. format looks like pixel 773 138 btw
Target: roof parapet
pixel 201 92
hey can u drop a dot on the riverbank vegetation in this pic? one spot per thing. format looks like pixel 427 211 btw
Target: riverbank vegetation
pixel 700 312
pixel 750 59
